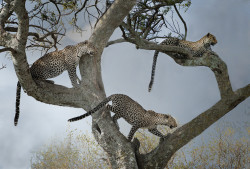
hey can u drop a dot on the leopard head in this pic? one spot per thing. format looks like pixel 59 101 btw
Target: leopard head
pixel 85 48
pixel 211 39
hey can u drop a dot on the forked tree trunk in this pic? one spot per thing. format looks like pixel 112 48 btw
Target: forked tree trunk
pixel 121 153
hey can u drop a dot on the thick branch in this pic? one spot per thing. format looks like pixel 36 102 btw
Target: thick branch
pixel 120 151
pixel 219 68
pixel 47 93
pixel 168 49
pixel 163 152
pixel 6 39
pixel 6 11
pixel 209 59
pixel 159 157
pixel 110 21
pixel 169 2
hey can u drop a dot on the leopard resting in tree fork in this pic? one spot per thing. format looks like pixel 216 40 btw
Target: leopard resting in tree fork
pixel 197 49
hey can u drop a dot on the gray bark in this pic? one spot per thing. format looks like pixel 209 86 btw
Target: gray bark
pixel 122 154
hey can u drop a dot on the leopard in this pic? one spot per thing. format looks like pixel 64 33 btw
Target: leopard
pixel 197 49
pixel 55 63
pixel 125 107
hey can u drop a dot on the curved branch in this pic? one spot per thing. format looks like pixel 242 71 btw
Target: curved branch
pixel 183 21
pixel 229 100
pixel 121 40
pixel 6 49
pixel 120 151
pixel 209 59
pixel 163 152
pixel 47 93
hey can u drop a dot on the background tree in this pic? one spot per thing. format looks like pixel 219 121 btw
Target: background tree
pixel 138 27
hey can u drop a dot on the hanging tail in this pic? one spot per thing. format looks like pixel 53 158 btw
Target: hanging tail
pixel 18 95
pixel 99 106
pixel 153 71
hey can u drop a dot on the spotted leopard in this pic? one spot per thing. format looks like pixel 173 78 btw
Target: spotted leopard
pixel 196 48
pixel 125 107
pixel 54 63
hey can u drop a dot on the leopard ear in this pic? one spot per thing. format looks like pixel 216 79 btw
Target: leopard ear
pixel 208 34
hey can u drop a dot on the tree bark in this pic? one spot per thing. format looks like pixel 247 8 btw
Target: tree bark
pixel 122 154
pixel 159 157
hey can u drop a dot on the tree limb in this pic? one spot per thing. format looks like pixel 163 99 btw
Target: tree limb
pixel 120 151
pixel 45 92
pixel 2 67
pixel 121 40
pixel 183 21
pixel 163 152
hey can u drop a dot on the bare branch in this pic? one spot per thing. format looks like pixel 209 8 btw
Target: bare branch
pixel 6 49
pixel 2 67
pixel 183 21
pixel 115 41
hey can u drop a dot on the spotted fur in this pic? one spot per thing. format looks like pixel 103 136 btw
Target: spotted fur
pixel 125 107
pixel 54 63
pixel 196 48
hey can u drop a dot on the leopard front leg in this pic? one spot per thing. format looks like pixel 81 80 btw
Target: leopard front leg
pixel 73 76
pixel 132 132
pixel 156 132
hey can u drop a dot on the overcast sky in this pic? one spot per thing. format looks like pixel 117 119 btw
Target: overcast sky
pixel 183 92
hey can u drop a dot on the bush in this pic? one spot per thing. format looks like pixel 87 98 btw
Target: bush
pixel 75 151
pixel 224 150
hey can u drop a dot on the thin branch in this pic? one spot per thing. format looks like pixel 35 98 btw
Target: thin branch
pixel 2 67
pixel 121 40
pixel 6 49
pixel 183 21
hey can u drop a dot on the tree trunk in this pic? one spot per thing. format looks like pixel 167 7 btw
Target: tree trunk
pixel 121 152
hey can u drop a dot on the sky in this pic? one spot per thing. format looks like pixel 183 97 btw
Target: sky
pixel 183 92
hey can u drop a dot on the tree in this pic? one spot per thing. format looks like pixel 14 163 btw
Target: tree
pixel 140 24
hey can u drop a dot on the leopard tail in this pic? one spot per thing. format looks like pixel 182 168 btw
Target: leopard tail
pixel 18 95
pixel 99 106
pixel 153 70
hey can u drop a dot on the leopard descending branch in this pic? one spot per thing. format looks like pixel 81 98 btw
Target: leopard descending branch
pixel 134 114
pixel 197 49
pixel 54 63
